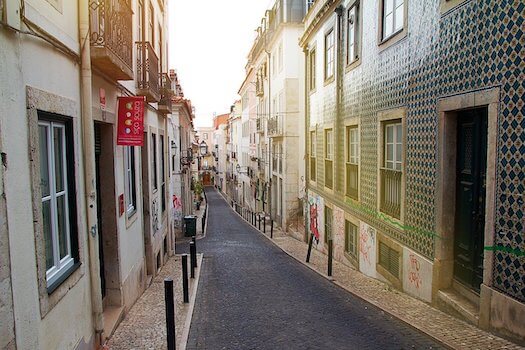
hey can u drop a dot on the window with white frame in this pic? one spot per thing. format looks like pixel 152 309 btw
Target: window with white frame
pixel 58 199
pixel 391 172
pixel 312 69
pixel 329 54
pixel 130 179
pixel 352 33
pixel 352 161
pixel 393 17
pixel 329 158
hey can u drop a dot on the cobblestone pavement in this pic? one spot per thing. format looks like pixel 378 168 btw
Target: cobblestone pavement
pixel 144 326
pixel 252 295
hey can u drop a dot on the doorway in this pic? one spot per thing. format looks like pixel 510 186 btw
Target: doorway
pixel 107 216
pixel 148 252
pixel 471 173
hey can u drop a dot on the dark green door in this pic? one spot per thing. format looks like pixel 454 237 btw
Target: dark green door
pixel 471 170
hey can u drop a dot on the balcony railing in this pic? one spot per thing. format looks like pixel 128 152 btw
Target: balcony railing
pixel 111 37
pixel 275 126
pixel 147 72
pixel 391 192
pixel 260 124
pixel 352 180
pixel 165 94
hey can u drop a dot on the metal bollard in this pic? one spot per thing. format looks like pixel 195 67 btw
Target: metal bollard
pixel 193 257
pixel 185 289
pixel 330 256
pixel 264 223
pixel 259 220
pixel 271 228
pixel 310 242
pixel 194 240
pixel 170 313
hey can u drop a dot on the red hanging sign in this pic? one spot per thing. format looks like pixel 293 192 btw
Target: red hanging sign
pixel 130 129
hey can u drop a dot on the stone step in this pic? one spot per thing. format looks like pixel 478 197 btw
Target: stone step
pixel 451 301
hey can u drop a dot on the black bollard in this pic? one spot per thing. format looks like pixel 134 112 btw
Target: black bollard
pixel 194 240
pixel 170 313
pixel 310 242
pixel 192 259
pixel 330 256
pixel 264 223
pixel 185 289
pixel 271 228
pixel 259 220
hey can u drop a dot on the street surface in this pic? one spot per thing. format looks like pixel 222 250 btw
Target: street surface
pixel 253 296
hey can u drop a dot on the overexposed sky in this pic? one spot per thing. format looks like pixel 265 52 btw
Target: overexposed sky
pixel 209 41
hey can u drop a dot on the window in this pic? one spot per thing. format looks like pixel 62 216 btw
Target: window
pixel 393 145
pixel 140 26
pixel 329 54
pixel 327 224
pixel 162 175
pixel 313 145
pixel 154 161
pixel 389 259
pixel 391 173
pixel 151 32
pixel 352 34
pixel 312 70
pixel 57 184
pixel 130 178
pixel 393 17
pixel 280 57
pixel 352 161
pixel 351 238
pixel 328 158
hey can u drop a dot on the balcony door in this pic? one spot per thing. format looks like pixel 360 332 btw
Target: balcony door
pixel 471 168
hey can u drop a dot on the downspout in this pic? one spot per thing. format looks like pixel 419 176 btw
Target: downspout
pixel 89 169
pixel 306 139
pixel 338 82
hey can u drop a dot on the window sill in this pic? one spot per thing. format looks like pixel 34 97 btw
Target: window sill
pixel 329 80
pixel 312 91
pixel 131 217
pixel 352 65
pixel 393 39
pixel 65 275
pixel 353 259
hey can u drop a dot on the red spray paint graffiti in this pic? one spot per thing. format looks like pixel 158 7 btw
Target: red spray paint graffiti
pixel 413 275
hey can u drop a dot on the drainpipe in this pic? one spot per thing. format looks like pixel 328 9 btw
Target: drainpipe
pixel 89 168
pixel 306 139
pixel 339 87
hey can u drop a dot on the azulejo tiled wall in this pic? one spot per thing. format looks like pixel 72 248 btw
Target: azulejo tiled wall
pixel 475 46
pixel 483 45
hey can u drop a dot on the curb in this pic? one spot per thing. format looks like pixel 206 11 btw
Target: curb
pixel 189 316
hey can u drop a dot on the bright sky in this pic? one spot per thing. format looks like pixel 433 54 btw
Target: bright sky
pixel 209 42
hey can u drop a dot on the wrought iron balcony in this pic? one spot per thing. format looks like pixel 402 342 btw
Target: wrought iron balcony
pixel 260 124
pixel 111 37
pixel 275 126
pixel 147 72
pixel 166 93
pixel 391 192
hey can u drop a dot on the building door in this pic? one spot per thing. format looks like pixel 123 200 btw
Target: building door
pixel 471 167
pixel 146 228
pixel 98 152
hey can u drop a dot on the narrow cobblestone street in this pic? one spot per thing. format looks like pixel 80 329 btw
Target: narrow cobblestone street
pixel 254 296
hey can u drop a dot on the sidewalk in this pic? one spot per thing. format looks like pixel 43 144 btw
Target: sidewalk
pixel 446 329
pixel 144 326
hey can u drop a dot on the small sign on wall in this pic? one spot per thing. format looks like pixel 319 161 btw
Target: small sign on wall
pixel 130 129
pixel 121 204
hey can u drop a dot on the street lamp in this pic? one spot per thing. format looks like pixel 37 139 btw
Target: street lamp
pixel 203 149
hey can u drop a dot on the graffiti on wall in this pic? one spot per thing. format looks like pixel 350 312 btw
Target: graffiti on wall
pixel 177 211
pixel 315 215
pixel 417 275
pixel 367 249
pixel 154 216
